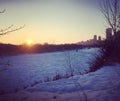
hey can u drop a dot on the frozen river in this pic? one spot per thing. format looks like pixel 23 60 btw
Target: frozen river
pixel 21 70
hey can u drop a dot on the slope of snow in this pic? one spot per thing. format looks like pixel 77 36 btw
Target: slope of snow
pixel 102 85
pixel 103 79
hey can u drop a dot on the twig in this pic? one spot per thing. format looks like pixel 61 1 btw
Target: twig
pixel 12 30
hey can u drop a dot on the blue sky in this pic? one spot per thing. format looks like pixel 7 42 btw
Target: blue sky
pixel 52 21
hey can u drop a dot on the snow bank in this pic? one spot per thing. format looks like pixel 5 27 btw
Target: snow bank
pixel 102 85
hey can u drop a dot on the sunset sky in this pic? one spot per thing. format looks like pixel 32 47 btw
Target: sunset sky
pixel 52 21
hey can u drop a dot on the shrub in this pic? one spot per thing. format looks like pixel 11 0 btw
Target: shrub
pixel 109 53
pixel 57 77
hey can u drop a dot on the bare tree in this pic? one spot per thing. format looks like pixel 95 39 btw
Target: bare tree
pixel 109 53
pixel 111 11
pixel 10 28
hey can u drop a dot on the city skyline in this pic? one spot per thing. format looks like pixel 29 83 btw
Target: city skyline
pixel 55 21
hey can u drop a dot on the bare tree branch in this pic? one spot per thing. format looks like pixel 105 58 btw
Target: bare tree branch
pixel 111 12
pixel 2 30
pixel 2 11
pixel 9 30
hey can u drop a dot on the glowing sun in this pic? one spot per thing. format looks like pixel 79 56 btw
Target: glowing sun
pixel 29 42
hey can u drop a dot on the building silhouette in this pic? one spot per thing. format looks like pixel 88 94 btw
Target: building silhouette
pixel 99 38
pixel 93 41
pixel 95 38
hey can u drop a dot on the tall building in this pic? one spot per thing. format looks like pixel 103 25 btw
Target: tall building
pixel 99 38
pixel 95 38
pixel 108 33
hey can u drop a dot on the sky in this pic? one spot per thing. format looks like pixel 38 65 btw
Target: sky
pixel 51 21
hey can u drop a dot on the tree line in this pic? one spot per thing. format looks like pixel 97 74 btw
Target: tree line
pixel 9 49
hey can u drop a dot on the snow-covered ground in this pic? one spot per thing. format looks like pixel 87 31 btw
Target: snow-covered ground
pixel 24 70
pixel 102 85
pixel 17 80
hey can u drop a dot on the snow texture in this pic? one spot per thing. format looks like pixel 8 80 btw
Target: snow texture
pixel 102 85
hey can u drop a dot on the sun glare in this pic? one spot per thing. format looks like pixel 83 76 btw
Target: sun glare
pixel 29 42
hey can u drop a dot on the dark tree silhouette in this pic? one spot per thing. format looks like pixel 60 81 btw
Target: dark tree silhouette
pixel 111 11
pixel 110 49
